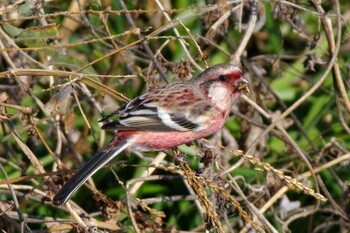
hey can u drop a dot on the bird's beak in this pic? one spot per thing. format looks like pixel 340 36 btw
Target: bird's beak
pixel 242 84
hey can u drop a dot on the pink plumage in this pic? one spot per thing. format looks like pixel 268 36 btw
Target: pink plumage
pixel 165 118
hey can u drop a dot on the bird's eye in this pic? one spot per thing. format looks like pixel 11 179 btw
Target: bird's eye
pixel 223 78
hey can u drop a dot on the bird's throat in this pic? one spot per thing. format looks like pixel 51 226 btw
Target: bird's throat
pixel 220 96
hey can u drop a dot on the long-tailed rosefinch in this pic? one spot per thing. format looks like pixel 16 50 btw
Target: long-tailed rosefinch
pixel 167 117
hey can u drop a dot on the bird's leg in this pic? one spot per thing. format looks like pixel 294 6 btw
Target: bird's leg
pixel 178 156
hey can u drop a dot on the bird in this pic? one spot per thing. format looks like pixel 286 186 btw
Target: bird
pixel 164 118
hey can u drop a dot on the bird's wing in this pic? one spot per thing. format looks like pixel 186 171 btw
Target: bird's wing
pixel 172 108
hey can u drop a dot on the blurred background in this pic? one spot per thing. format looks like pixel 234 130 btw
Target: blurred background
pixel 65 64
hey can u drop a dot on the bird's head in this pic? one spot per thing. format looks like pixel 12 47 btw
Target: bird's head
pixel 222 84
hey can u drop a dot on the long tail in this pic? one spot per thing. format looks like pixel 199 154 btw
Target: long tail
pixel 85 172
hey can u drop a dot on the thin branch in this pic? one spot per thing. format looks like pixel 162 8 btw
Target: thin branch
pixel 144 43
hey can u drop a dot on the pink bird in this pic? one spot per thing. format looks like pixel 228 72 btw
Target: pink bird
pixel 165 118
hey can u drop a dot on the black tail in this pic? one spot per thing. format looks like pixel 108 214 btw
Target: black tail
pixel 85 172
